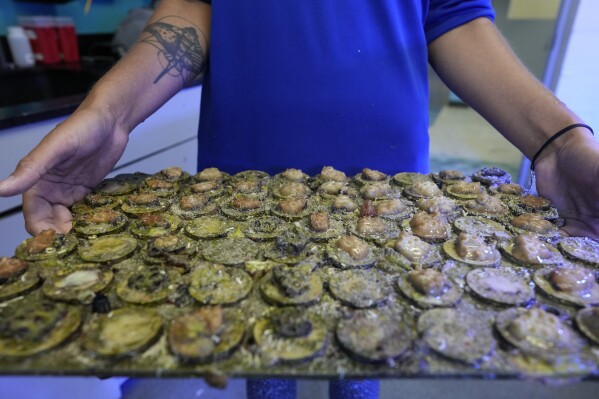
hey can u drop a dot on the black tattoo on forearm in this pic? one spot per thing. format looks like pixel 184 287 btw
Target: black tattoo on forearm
pixel 179 49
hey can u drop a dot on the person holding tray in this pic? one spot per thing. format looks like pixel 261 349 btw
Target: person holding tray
pixel 312 83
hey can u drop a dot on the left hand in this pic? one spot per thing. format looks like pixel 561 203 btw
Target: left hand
pixel 568 175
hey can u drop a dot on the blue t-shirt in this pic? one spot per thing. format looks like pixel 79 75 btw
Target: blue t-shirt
pixel 309 83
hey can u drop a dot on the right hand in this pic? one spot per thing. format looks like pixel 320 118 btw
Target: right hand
pixel 71 160
pixel 567 173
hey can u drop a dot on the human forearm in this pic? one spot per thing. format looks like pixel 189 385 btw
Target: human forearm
pixel 77 154
pixel 477 64
pixel 171 51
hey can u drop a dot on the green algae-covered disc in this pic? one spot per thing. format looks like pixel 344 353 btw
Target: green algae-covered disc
pixel 213 284
pixel 112 248
pixel 206 334
pixel 31 326
pixel 288 336
pixel 122 332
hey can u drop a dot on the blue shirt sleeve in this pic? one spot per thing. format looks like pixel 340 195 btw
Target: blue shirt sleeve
pixel 445 15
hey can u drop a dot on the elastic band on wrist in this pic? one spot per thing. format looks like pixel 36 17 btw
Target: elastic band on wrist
pixel 554 137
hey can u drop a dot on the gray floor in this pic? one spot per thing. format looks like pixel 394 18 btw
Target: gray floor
pixel 92 388
pixel 461 139
pixel 413 389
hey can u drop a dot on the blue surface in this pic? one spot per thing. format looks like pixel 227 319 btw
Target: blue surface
pixel 354 389
pixel 271 388
pixel 287 389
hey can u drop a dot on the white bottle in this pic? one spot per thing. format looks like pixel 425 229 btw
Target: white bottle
pixel 20 47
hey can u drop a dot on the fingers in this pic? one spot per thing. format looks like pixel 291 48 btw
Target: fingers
pixel 49 152
pixel 62 218
pixel 41 215
pixel 577 228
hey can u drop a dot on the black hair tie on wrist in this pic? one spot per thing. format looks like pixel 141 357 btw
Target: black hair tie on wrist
pixel 554 137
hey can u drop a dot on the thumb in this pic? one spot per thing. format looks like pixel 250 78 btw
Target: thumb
pixel 26 174
pixel 32 167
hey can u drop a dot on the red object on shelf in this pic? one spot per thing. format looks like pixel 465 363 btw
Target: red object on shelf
pixel 67 39
pixel 43 37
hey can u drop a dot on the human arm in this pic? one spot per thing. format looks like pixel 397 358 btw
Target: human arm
pixel 82 150
pixel 477 64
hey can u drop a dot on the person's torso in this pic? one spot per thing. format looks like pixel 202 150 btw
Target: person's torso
pixel 305 84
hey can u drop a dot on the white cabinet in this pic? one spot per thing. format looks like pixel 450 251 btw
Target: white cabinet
pixel 175 124
pixel 167 138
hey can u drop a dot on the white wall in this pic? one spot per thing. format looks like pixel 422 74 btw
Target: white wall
pixel 578 84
